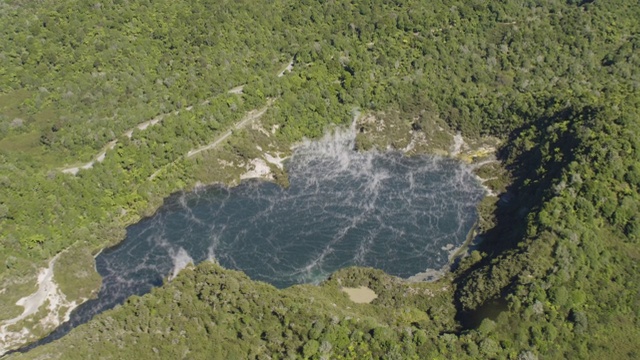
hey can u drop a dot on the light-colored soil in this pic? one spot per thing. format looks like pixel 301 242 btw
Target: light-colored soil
pixel 99 158
pixel 458 143
pixel 250 117
pixel 146 124
pixel 47 294
pixel 73 170
pixel 360 295
pixel 286 69
pixel 237 90
pixel 259 169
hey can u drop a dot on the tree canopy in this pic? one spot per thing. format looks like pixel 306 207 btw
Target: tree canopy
pixel 556 275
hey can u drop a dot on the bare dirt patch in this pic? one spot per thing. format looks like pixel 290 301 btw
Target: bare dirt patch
pixel 360 295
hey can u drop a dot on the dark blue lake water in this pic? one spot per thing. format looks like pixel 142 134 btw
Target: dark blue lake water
pixel 383 210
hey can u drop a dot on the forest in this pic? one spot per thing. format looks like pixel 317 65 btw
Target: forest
pixel 556 275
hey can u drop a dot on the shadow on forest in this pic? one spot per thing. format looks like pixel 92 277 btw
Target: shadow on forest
pixel 535 171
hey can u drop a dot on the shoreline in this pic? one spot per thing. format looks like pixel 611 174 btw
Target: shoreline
pixel 261 168
pixel 47 293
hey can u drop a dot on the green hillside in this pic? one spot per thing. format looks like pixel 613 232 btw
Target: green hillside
pixel 558 82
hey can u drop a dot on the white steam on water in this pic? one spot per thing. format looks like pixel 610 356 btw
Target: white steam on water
pixel 384 210
pixel 180 261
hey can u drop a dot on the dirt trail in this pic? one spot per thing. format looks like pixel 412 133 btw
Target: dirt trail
pixel 250 117
pixel 237 90
pixel 286 69
pixel 144 125
pixel 99 158
pixel 129 133
pixel 112 144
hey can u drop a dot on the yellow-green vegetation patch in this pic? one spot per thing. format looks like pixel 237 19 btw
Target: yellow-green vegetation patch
pixel 421 133
pixel 229 161
pixel 411 134
pixel 75 273
pixel 477 154
pixel 26 119
pixel 215 306
pixel 486 213
pixel 14 285
pixel 494 176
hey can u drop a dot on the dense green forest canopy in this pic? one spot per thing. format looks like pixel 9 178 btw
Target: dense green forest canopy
pixel 556 276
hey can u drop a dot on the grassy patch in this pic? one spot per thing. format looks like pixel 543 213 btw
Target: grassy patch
pixel 75 273
pixel 16 283
pixel 24 118
pixel 412 134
